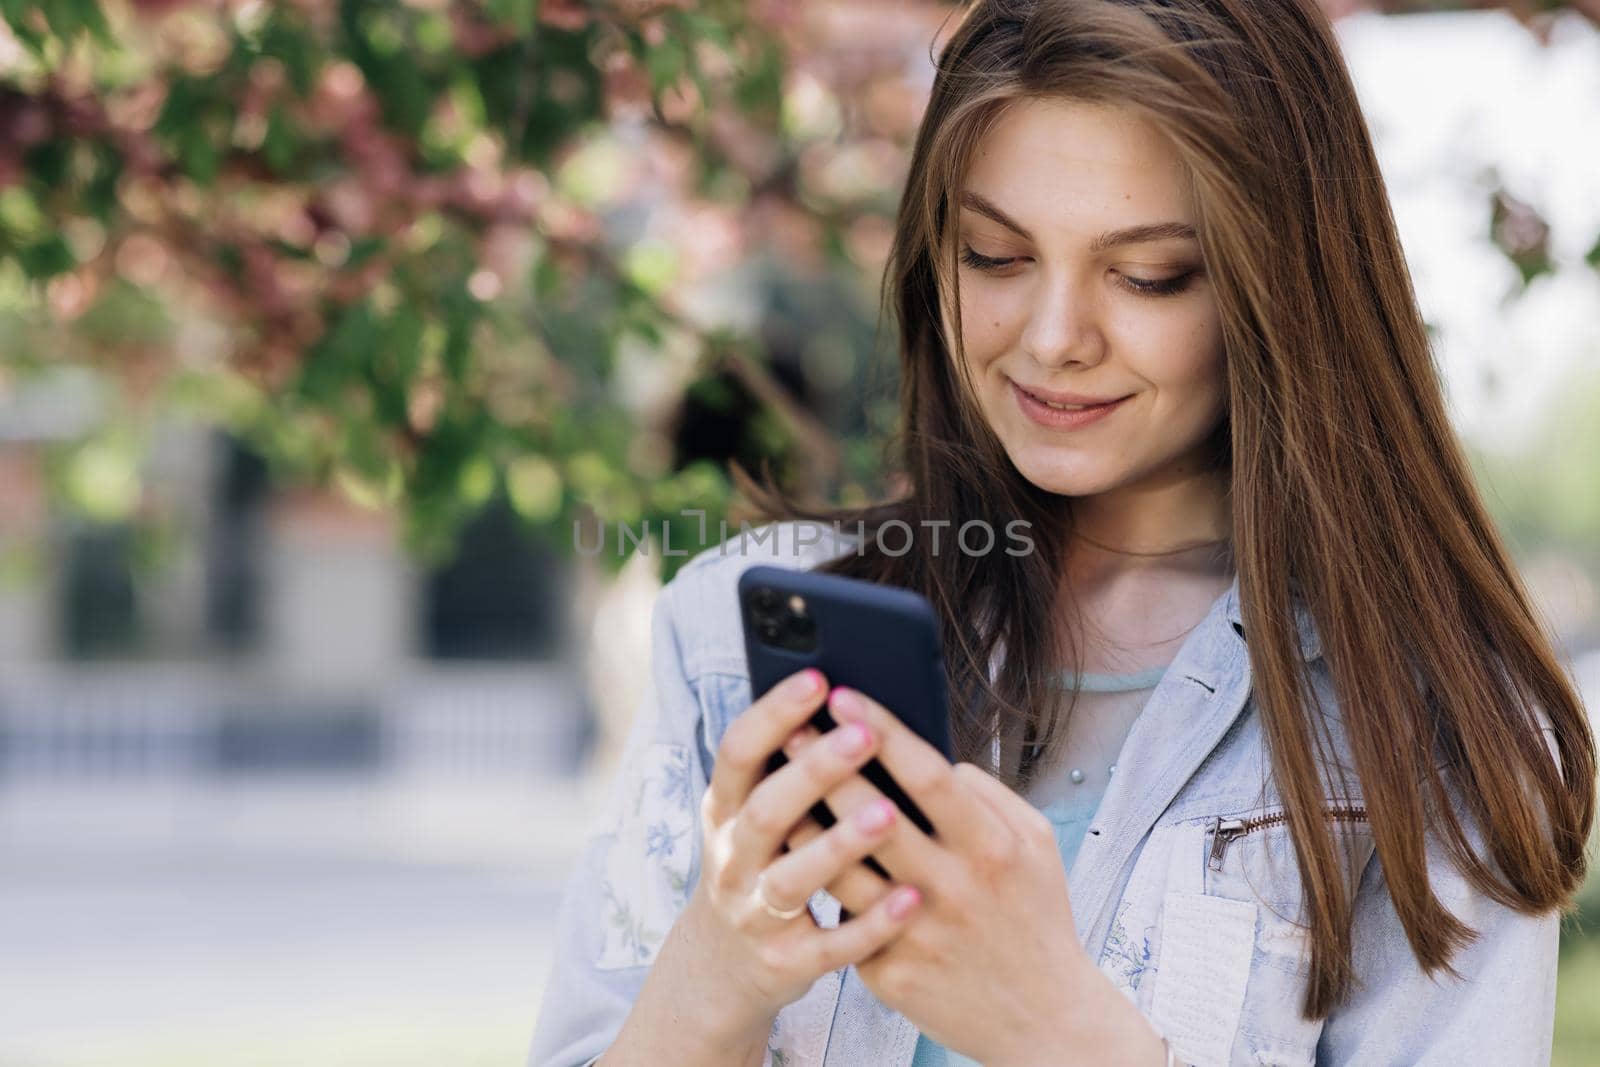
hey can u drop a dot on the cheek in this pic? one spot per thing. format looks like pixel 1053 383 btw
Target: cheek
pixel 1180 354
pixel 989 320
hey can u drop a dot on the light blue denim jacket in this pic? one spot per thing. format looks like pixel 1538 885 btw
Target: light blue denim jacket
pixel 1197 927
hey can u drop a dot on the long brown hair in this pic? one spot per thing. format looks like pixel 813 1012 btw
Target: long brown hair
pixel 1349 489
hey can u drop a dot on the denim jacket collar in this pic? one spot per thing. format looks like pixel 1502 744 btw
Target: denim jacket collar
pixel 1305 626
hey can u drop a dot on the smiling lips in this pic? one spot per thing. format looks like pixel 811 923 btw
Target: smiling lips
pixel 1067 400
pixel 1062 411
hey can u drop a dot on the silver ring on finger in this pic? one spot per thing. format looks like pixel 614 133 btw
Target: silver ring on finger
pixel 769 907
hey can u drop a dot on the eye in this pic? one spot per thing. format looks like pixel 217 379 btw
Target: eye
pixel 1157 286
pixel 987 264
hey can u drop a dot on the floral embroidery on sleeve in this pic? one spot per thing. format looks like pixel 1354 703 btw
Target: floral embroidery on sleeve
pixel 645 883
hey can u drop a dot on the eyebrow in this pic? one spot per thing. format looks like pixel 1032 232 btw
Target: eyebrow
pixel 1153 231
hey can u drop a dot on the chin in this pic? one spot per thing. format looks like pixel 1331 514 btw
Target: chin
pixel 1070 478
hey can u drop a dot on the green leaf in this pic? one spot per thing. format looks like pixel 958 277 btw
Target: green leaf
pixel 91 18
pixel 331 364
pixel 46 258
pixel 19 16
pixel 394 359
pixel 49 161
pixel 285 39
pixel 100 188
pixel 363 249
pixel 517 13
pixel 698 26
pixel 199 155
pixel 405 342
pixel 380 47
pixel 281 143
pixel 665 62
pixel 759 89
pixel 461 315
pixel 183 124
pixel 62 18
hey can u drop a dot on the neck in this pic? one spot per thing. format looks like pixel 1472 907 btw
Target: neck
pixel 1183 522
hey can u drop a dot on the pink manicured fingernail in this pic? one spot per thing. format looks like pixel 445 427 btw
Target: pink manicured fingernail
pixel 851 738
pixel 804 682
pixel 845 702
pixel 903 901
pixel 875 816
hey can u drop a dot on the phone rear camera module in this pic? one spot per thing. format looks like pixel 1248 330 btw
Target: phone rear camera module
pixel 781 621
pixel 798 635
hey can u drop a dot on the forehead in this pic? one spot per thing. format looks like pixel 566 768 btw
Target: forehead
pixel 1052 162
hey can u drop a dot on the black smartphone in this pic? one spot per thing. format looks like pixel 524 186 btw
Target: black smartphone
pixel 878 639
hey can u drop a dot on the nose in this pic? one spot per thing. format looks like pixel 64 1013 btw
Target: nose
pixel 1064 326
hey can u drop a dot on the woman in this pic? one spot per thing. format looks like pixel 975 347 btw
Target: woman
pixel 1262 756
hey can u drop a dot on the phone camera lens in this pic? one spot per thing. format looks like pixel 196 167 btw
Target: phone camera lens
pixel 764 599
pixel 769 628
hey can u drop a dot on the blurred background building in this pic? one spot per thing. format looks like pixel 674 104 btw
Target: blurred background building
pixel 286 630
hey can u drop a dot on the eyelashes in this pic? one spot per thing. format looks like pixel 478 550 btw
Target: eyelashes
pixel 983 263
pixel 1160 287
pixel 1143 287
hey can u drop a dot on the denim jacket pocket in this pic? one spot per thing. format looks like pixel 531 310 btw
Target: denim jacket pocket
pixel 1181 956
pixel 1203 974
pixel 1250 857
pixel 645 877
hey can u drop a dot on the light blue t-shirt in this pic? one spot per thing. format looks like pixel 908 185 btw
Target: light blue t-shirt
pixel 1071 815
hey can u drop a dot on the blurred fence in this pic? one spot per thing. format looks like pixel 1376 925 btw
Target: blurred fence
pixel 120 723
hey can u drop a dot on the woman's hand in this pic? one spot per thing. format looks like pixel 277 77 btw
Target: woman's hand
pixel 757 962
pixel 991 965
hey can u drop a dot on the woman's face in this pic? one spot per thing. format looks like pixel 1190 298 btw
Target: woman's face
pixel 1057 299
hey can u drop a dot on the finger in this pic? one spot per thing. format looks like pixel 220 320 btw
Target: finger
pixel 782 799
pixel 824 857
pixel 741 759
pixel 794 841
pixel 918 768
pixel 867 933
pixel 858 887
pixel 905 852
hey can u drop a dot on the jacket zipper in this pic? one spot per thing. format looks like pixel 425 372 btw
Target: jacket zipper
pixel 1223 831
